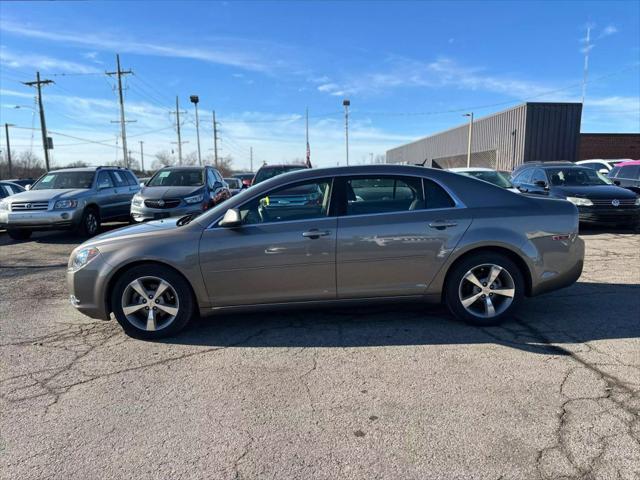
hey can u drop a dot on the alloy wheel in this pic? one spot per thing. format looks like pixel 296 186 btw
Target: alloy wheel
pixel 91 223
pixel 150 303
pixel 486 290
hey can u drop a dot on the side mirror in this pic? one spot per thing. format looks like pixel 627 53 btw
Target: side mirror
pixel 231 219
pixel 542 184
pixel 616 182
pixel 27 187
pixel 142 184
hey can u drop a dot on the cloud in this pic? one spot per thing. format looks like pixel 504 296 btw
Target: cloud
pixel 42 63
pixel 402 72
pixel 608 30
pixel 221 50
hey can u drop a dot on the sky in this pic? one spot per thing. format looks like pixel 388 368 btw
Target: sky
pixel 410 69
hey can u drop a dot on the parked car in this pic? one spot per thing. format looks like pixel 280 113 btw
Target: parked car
pixel 488 175
pixel 627 175
pixel 23 182
pixel 246 178
pixel 70 198
pixel 266 172
pixel 375 233
pixel 9 188
pixel 177 191
pixel 599 165
pixel 597 199
pixel 234 184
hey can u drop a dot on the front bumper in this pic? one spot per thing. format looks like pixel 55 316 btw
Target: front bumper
pixel 610 215
pixel 87 287
pixel 143 213
pixel 41 219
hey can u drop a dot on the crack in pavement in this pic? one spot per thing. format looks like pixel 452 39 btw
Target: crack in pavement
pixel 563 459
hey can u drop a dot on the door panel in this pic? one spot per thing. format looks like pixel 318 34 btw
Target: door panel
pixel 270 263
pixel 395 253
pixel 122 194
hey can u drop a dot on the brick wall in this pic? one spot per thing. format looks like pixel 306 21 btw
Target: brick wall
pixel 609 145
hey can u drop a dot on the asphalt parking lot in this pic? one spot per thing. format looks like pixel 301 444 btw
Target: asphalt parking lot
pixel 400 392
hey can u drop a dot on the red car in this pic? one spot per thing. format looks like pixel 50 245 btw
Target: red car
pixel 627 175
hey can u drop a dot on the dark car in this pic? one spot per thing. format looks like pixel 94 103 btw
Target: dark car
pixel 627 175
pixel 178 191
pixel 597 199
pixel 235 185
pixel 245 178
pixel 266 172
pixel 8 188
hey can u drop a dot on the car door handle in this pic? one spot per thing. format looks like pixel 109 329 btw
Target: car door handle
pixel 442 224
pixel 315 233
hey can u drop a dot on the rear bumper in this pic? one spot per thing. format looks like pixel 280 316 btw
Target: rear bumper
pixel 559 264
pixel 41 220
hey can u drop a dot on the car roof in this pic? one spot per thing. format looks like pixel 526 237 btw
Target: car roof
pixel 186 167
pixel 628 162
pixel 284 165
pixel 471 169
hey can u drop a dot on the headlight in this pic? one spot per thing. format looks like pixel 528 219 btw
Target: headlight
pixel 581 202
pixel 4 205
pixel 637 203
pixel 82 257
pixel 195 198
pixel 136 200
pixel 60 204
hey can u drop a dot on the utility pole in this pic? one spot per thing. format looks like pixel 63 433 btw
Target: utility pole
pixel 119 73
pixel 141 156
pixel 251 159
pixel 215 138
pixel 470 115
pixel 180 142
pixel 6 131
pixel 308 163
pixel 43 125
pixel 346 104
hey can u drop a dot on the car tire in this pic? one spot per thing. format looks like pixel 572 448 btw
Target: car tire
pixel 19 233
pixel 177 295
pixel 90 223
pixel 470 279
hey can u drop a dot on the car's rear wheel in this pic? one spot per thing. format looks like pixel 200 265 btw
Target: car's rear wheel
pixel 152 301
pixel 484 288
pixel 90 223
pixel 19 233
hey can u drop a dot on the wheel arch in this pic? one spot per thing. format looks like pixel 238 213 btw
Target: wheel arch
pixel 122 269
pixel 510 254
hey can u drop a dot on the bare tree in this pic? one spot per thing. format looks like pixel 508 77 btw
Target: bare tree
pixel 24 165
pixel 163 159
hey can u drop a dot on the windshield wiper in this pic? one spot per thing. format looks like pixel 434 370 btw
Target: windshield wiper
pixel 187 218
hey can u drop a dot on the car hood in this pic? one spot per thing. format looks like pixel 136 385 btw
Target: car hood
pixel 49 194
pixel 157 193
pixel 134 230
pixel 597 191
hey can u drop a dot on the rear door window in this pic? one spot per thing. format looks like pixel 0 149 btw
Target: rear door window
pixel 381 194
pixel 436 196
pixel 130 177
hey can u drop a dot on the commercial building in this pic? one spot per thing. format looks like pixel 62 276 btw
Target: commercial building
pixel 529 132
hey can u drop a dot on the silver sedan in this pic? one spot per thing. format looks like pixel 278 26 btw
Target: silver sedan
pixel 334 236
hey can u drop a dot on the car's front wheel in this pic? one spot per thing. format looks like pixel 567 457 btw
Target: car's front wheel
pixel 484 288
pixel 152 301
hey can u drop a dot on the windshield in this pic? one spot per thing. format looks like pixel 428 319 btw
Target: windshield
pixel 63 180
pixel 270 172
pixel 233 182
pixel 177 178
pixel 496 178
pixel 576 177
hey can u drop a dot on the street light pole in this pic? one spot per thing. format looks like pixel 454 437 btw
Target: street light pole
pixel 470 115
pixel 141 156
pixel 6 131
pixel 194 99
pixel 346 104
